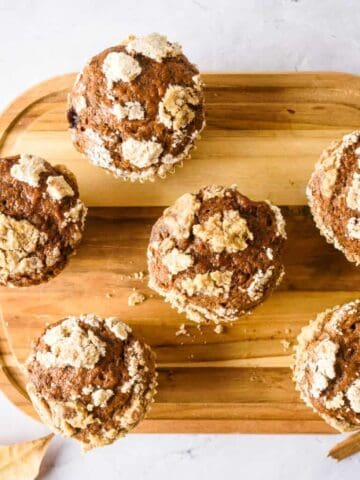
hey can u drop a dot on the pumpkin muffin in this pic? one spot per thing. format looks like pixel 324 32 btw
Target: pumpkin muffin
pixel 326 368
pixel 41 219
pixel 334 195
pixel 137 108
pixel 216 255
pixel 91 379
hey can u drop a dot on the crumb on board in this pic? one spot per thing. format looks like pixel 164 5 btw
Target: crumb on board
pixel 139 275
pixel 219 329
pixel 136 298
pixel 109 295
pixel 285 344
pixel 182 330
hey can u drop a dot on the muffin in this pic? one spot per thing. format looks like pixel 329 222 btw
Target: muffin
pixel 216 255
pixel 136 108
pixel 334 195
pixel 326 368
pixel 91 379
pixel 41 219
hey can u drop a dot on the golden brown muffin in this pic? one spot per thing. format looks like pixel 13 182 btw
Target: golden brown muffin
pixel 327 363
pixel 91 379
pixel 41 219
pixel 137 108
pixel 216 255
pixel 334 195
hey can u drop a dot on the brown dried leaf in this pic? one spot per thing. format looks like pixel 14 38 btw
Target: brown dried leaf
pixel 22 461
pixel 346 448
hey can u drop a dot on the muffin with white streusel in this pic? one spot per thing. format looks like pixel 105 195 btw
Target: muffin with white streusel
pixel 136 108
pixel 91 379
pixel 334 195
pixel 326 368
pixel 41 219
pixel 216 254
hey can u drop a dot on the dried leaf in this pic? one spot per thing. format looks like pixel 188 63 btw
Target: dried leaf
pixel 22 461
pixel 346 448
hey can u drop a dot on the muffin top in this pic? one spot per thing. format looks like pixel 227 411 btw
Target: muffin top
pixel 334 195
pixel 327 362
pixel 136 108
pixel 216 254
pixel 41 219
pixel 91 379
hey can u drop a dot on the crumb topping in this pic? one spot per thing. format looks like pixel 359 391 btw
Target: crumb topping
pixel 58 188
pixel 353 228
pixel 336 402
pixel 175 110
pixel 79 103
pixel 75 214
pixel 28 169
pixel 176 262
pixel 131 111
pixel 211 284
pixel 280 222
pixel 258 283
pixel 154 46
pixel 100 397
pixel 141 153
pixel 225 231
pixel 353 195
pixel 96 150
pixel 118 66
pixel 19 241
pixel 118 328
pixel 71 345
pixel 353 395
pixel 324 366
pixel 180 217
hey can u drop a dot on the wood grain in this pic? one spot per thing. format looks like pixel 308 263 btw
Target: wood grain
pixel 264 132
pixel 265 129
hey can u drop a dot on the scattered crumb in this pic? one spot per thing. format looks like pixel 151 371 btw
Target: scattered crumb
pixel 219 329
pixel 109 295
pixel 182 330
pixel 139 275
pixel 287 330
pixel 133 276
pixel 136 298
pixel 285 344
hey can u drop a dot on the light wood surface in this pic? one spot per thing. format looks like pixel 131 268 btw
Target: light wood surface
pixel 264 132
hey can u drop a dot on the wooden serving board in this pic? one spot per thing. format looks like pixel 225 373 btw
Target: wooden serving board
pixel 264 132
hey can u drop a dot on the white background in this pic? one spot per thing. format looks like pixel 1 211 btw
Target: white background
pixel 39 39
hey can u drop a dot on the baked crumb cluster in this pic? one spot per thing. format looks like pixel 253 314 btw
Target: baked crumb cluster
pixel 41 219
pixel 326 368
pixel 334 195
pixel 137 108
pixel 91 379
pixel 215 255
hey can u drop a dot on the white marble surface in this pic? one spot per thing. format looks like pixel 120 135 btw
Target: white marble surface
pixel 39 39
